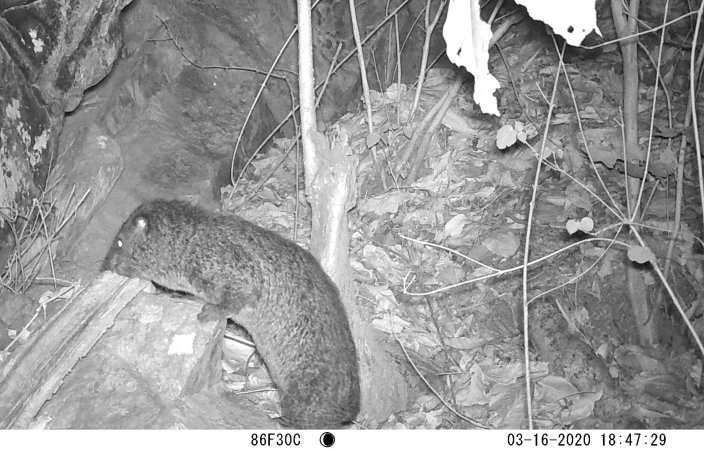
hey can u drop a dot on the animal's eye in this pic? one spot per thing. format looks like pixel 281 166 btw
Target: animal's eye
pixel 119 243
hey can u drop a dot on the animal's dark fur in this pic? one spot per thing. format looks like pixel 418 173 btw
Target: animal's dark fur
pixel 269 285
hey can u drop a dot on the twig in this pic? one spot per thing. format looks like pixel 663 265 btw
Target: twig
pixel 365 87
pixel 444 402
pixel 498 272
pixel 429 28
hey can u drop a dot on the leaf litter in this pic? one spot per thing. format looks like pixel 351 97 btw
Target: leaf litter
pixel 464 218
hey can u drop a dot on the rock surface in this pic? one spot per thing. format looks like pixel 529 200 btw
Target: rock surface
pixel 155 368
pixel 45 67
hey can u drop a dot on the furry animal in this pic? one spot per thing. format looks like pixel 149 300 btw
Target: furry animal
pixel 270 286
